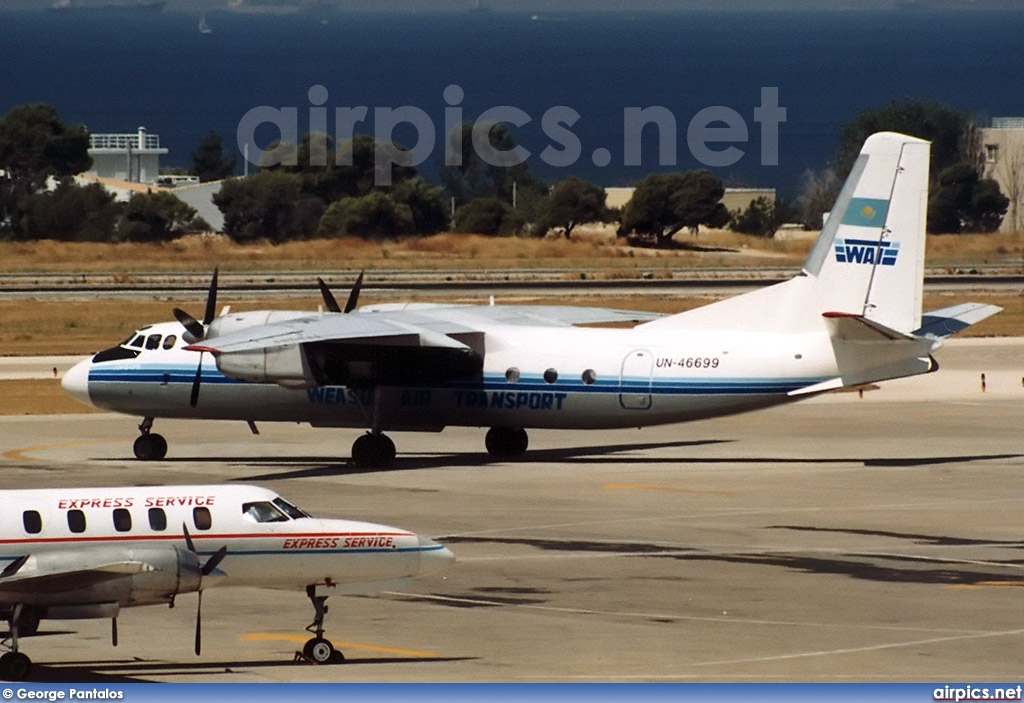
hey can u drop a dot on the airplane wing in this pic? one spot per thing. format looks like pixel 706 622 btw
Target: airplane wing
pixel 25 574
pixel 422 325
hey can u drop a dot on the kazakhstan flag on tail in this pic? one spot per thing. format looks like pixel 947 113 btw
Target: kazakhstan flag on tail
pixel 866 212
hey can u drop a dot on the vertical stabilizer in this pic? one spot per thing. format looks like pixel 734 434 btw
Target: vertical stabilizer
pixel 869 259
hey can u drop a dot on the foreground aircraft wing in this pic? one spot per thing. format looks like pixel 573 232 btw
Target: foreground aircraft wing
pixel 25 574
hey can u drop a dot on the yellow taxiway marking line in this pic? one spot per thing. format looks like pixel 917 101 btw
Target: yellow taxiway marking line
pixel 658 487
pixel 19 454
pixel 988 584
pixel 268 637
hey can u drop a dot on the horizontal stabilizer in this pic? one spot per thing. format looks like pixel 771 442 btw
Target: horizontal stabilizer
pixel 948 321
pixel 857 328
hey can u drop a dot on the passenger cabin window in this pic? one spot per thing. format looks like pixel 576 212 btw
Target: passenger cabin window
pixel 33 521
pixel 153 341
pixel 76 521
pixel 289 509
pixel 122 520
pixel 169 341
pixel 201 518
pixel 157 519
pixel 263 511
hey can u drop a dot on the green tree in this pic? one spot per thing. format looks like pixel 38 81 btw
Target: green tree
pixel 952 133
pixel 35 145
pixel 758 219
pixel 209 161
pixel 571 203
pixel 71 213
pixel 488 216
pixel 155 217
pixel 664 203
pixel 473 177
pixel 267 206
pixel 962 202
pixel 374 215
pixel 429 214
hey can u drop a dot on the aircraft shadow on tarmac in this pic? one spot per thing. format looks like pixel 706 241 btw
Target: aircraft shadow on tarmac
pixel 610 454
pixel 137 670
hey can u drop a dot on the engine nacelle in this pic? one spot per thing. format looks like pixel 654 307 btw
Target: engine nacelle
pixel 122 575
pixel 286 366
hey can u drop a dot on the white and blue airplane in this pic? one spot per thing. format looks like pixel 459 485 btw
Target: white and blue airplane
pixel 72 553
pixel 851 316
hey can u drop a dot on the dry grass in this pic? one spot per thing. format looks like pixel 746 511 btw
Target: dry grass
pixel 42 397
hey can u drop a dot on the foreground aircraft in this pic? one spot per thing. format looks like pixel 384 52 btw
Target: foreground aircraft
pixel 88 552
pixel 851 316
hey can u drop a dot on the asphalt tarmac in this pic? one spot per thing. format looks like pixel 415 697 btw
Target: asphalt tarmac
pixel 845 538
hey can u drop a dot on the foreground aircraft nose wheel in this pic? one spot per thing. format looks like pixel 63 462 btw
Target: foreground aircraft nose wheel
pixel 374 451
pixel 150 447
pixel 321 651
pixel 506 442
pixel 15 666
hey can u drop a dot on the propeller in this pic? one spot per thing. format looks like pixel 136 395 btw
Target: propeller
pixel 204 570
pixel 196 331
pixel 353 297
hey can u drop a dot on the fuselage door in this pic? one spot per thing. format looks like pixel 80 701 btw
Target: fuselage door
pixel 635 380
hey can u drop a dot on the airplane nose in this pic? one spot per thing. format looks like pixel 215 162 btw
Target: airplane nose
pixel 435 558
pixel 76 381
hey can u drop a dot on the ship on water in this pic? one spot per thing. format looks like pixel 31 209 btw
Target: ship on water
pixel 108 5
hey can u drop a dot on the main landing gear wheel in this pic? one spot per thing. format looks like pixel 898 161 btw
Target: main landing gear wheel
pixel 15 666
pixel 373 451
pixel 506 442
pixel 150 447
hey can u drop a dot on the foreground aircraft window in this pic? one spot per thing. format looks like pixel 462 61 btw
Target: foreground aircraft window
pixel 289 509
pixel 122 520
pixel 153 341
pixel 589 376
pixel 114 354
pixel 263 511
pixel 33 522
pixel 169 341
pixel 512 375
pixel 201 518
pixel 157 519
pixel 550 376
pixel 76 521
pixel 137 342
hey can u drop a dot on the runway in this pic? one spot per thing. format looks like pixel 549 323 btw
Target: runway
pixel 840 539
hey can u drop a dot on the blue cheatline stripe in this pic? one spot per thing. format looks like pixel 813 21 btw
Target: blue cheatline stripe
pixel 866 212
pixel 496 383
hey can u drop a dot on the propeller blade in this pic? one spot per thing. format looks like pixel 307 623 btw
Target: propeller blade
pixel 113 631
pixel 329 302
pixel 191 324
pixel 199 624
pixel 188 540
pixel 353 296
pixel 194 398
pixel 214 561
pixel 211 300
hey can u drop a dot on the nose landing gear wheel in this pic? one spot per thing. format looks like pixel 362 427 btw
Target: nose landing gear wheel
pixel 15 666
pixel 322 651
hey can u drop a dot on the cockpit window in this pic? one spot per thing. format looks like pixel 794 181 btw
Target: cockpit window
pixel 153 341
pixel 263 511
pixel 169 341
pixel 137 342
pixel 289 509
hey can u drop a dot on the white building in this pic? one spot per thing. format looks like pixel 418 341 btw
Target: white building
pixel 133 157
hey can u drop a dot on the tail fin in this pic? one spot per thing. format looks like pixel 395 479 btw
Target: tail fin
pixel 868 260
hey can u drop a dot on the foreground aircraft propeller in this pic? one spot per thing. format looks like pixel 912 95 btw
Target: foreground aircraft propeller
pixel 353 297
pixel 196 331
pixel 205 570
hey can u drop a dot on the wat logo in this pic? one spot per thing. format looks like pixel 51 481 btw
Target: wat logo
pixel 864 251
